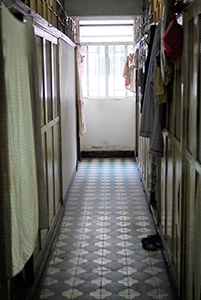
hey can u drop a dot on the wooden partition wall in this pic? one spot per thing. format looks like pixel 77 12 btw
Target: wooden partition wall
pixel 178 214
pixel 47 52
pixel 56 66
pixel 53 11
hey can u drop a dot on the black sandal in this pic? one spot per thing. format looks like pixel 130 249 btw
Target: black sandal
pixel 152 242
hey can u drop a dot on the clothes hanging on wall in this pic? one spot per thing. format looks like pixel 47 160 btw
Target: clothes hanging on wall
pixel 151 33
pixel 126 74
pixel 167 64
pixel 160 92
pixel 142 54
pixel 81 105
pixel 151 111
pixel 19 191
pixel 152 178
pixel 129 71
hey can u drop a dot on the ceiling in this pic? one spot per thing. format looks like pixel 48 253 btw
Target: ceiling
pixel 95 8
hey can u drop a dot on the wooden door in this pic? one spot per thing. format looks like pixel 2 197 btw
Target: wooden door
pixel 47 46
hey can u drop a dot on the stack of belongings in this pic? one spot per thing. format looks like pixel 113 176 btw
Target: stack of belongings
pixel 152 242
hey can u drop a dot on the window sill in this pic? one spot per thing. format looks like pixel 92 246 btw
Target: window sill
pixel 109 98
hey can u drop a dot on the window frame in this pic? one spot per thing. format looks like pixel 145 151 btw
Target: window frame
pixel 128 94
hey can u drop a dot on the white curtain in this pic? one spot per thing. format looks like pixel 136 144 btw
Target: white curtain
pixel 18 168
pixel 81 108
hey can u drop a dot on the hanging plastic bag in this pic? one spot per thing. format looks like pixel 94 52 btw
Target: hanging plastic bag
pixel 173 39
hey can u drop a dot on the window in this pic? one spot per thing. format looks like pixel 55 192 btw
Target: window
pixel 105 57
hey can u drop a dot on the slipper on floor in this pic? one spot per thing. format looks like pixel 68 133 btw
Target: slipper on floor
pixel 151 242
pixel 148 246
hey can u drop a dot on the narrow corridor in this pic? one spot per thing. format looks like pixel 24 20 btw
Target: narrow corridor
pixel 98 253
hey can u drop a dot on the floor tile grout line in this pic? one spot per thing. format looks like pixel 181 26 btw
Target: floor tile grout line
pixel 155 282
pixel 126 255
pixel 149 256
pixel 101 283
pixel 79 255
pixel 103 246
pixel 94 173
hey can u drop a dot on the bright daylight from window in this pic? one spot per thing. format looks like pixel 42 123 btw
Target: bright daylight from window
pixel 105 46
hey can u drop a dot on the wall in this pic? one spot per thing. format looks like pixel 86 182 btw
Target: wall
pixel 68 112
pixel 59 134
pixel 103 8
pixel 178 213
pixel 110 125
pixel 57 95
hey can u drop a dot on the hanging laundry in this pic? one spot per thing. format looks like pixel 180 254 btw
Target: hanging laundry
pixel 81 104
pixel 151 32
pixel 152 176
pixel 133 67
pixel 167 64
pixel 151 112
pixel 160 92
pixel 173 39
pixel 140 78
pixel 129 72
pixel 126 74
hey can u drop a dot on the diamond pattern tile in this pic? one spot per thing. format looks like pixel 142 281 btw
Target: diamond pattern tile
pixel 97 253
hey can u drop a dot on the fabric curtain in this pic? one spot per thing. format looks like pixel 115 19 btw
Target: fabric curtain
pixel 81 108
pixel 18 170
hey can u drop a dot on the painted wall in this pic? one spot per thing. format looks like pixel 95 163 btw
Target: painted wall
pixel 68 112
pixel 110 125
pixel 103 7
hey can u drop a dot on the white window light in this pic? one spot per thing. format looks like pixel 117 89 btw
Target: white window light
pixel 105 46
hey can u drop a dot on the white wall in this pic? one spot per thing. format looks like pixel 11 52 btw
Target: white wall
pixel 110 125
pixel 68 112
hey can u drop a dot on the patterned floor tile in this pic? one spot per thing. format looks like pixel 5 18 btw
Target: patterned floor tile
pixel 97 253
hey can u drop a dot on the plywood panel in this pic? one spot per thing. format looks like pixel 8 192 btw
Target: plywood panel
pixel 188 238
pixel 39 7
pixel 178 102
pixel 50 178
pixel 32 4
pixel 44 6
pixel 68 112
pixel 49 12
pixel 177 204
pixel 197 244
pixel 39 42
pixel 55 93
pixel 199 97
pixel 48 85
pixel 44 149
pixel 54 21
pixel 50 130
pixel 57 168
pixel 169 196
pixel 163 189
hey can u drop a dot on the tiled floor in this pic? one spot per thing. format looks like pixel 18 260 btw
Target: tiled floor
pixel 98 252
